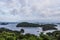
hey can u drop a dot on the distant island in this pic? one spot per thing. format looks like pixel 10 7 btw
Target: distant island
pixel 44 26
pixel 58 23
pixel 3 23
pixel 26 24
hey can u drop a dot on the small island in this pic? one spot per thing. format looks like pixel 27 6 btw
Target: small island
pixel 3 23
pixel 46 27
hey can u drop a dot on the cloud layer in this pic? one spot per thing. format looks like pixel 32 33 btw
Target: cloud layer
pixel 43 10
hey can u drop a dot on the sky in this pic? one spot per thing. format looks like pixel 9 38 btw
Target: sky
pixel 39 10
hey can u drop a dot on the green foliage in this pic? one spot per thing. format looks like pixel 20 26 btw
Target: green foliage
pixel 2 38
pixel 10 38
pixel 15 35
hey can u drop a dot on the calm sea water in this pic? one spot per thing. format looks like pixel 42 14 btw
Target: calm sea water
pixel 31 30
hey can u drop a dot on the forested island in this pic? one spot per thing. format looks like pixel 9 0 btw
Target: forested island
pixel 44 26
pixel 6 34
pixel 26 24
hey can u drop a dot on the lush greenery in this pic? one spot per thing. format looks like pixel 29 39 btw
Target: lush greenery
pixel 6 34
pixel 44 26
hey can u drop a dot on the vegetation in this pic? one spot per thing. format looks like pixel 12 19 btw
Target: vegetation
pixel 44 26
pixel 26 24
pixel 48 27
pixel 6 34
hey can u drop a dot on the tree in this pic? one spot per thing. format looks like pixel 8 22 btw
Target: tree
pixel 22 31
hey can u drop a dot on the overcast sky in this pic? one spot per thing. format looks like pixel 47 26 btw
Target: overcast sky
pixel 42 10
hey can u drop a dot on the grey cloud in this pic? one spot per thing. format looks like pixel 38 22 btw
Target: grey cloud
pixel 30 9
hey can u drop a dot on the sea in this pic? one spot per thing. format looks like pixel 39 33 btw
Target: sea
pixel 31 30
